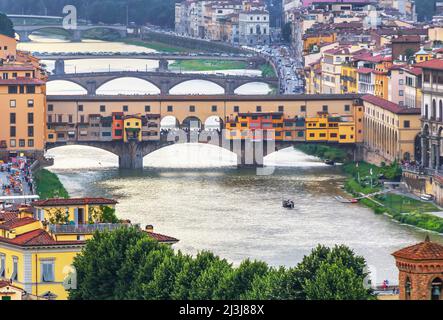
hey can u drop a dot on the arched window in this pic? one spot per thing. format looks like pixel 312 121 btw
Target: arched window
pixel 407 156
pixel 408 289
pixel 434 109
pixel 436 289
pixel 426 111
pixel 440 110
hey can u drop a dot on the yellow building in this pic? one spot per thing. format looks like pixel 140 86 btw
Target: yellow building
pixel 391 131
pixel 423 55
pixel 23 97
pixel 132 128
pixel 39 242
pixel 311 41
pixel 349 78
pixel 330 128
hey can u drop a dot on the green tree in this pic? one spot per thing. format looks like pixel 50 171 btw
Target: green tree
pixel 276 284
pixel 100 261
pixel 191 271
pixel 210 279
pixel 141 260
pixel 307 271
pixel 6 26
pixel 162 284
pixel 335 281
pixel 239 281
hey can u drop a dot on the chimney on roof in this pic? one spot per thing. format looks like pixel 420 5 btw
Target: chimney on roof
pixel 427 239
pixel 149 228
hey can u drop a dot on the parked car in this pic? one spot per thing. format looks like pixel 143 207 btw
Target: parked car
pixel 427 197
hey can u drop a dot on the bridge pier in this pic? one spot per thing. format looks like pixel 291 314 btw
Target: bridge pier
pixel 59 68
pixel 77 36
pixel 91 87
pixel 165 86
pixel 24 36
pixel 163 65
pixel 131 156
pixel 230 87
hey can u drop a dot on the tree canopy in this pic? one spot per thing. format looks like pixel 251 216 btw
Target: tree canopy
pixel 158 12
pixel 127 264
pixel 6 26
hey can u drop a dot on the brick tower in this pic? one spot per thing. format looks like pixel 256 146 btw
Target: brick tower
pixel 421 271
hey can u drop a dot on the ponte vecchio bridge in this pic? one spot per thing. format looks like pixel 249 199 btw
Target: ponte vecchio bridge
pixel 131 127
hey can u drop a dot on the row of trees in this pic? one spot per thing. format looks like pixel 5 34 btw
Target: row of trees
pixel 127 264
pixel 158 12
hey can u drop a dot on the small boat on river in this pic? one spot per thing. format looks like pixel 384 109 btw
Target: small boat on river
pixel 344 200
pixel 288 204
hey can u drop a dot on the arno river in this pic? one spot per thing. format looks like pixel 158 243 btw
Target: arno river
pixel 194 193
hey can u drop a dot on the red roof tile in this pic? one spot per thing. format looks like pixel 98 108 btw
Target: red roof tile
pixel 425 250
pixel 390 106
pixel 38 237
pixel 161 237
pixel 4 283
pixel 21 81
pixel 436 64
pixel 365 70
pixel 16 222
pixel 72 202
pixel 7 67
pixel 7 215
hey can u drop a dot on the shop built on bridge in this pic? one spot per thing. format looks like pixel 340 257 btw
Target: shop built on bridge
pixel 251 126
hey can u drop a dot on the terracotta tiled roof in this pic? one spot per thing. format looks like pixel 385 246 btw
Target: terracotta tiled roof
pixel 390 106
pixel 161 237
pixel 4 283
pixel 415 71
pixel 16 222
pixel 72 201
pixel 38 237
pixel 7 67
pixel 21 81
pixel 431 64
pixel 364 70
pixel 338 51
pixel 425 250
pixel 7 215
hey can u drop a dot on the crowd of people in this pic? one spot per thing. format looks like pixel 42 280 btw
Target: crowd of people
pixel 16 177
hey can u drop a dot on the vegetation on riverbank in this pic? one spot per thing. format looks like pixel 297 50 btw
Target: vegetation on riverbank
pixel 145 269
pixel 208 65
pixel 267 70
pixel 324 152
pixel 48 185
pixel 364 178
pixel 400 207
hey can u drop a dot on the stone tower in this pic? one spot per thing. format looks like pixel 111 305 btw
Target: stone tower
pixel 420 271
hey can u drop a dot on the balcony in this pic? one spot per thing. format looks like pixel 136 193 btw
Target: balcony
pixel 86 228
